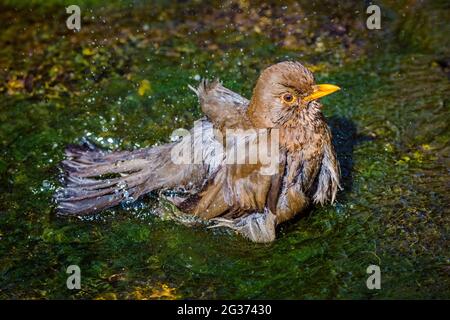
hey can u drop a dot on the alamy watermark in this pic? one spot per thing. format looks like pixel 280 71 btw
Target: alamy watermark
pixel 206 145
pixel 74 280
pixel 373 22
pixel 374 280
pixel 73 22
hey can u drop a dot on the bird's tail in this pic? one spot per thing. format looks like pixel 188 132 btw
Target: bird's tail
pixel 95 179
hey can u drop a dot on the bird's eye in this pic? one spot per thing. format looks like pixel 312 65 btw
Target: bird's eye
pixel 288 98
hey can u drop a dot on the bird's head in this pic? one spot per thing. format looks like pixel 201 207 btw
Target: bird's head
pixel 284 90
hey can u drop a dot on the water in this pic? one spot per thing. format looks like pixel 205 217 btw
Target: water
pixel 122 83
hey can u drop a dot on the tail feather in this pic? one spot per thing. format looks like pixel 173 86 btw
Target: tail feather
pixel 85 169
pixel 88 186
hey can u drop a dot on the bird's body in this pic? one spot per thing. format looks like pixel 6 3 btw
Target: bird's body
pixel 248 193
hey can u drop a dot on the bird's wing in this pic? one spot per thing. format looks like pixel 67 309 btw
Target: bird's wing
pixel 223 107
pixel 240 183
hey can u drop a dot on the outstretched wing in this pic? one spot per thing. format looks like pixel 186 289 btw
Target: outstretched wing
pixel 95 179
pixel 223 107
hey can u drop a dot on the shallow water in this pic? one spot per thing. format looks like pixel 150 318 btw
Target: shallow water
pixel 122 83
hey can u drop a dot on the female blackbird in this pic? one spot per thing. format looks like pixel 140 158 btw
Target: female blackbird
pixel 291 163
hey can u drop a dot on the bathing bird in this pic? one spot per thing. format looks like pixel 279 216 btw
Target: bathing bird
pixel 246 165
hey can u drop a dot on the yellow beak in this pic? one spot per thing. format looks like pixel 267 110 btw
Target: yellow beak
pixel 321 90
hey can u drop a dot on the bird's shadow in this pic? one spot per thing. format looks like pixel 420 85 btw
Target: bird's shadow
pixel 345 138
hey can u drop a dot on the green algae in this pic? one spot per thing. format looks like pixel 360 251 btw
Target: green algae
pixel 390 124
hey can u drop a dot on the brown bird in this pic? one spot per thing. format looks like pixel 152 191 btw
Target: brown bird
pixel 247 165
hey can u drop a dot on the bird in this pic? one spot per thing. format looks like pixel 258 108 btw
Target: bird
pixel 291 163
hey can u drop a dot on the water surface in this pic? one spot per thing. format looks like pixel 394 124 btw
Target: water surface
pixel 122 83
